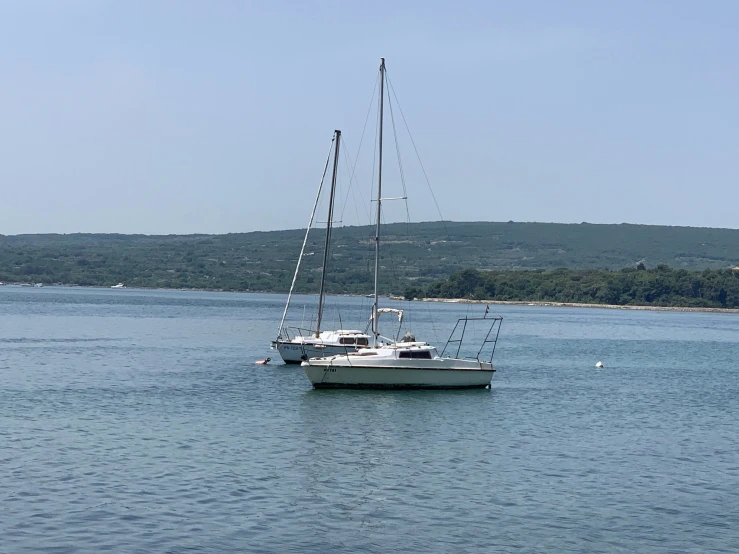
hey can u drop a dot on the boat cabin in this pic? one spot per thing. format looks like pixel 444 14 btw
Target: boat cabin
pixel 356 340
pixel 402 351
pixel 342 337
pixel 415 351
pixel 414 354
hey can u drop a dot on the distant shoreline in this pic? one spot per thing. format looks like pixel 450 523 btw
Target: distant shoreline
pixel 441 300
pixel 577 305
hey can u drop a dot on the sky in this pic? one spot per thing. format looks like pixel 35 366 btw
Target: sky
pixel 216 116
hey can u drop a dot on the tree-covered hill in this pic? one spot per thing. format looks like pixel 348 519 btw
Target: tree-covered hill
pixel 415 254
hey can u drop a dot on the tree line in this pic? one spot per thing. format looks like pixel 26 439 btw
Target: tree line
pixel 639 286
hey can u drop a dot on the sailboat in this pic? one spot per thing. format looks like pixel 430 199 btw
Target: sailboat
pixel 408 363
pixel 295 344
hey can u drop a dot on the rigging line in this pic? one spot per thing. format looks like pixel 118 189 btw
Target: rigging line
pixel 408 320
pixel 374 154
pixel 305 240
pixel 329 230
pixel 431 318
pixel 361 139
pixel 392 93
pixel 330 247
pixel 350 231
pixel 393 263
pixel 337 286
pixel 354 189
pixel 413 142
pixel 400 163
pixel 423 169
pixel 370 229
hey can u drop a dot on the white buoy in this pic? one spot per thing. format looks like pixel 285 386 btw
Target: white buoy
pixel 599 365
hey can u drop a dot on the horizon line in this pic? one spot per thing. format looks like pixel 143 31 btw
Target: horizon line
pixel 439 221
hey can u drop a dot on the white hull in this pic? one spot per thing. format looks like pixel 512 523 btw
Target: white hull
pixel 326 375
pixel 294 353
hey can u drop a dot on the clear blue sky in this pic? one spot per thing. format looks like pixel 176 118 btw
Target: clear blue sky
pixel 215 116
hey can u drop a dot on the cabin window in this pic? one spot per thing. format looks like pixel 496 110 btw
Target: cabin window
pixel 415 354
pixel 362 341
pixel 346 340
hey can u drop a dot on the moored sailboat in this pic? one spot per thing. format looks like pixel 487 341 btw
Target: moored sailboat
pixel 407 363
pixel 295 344
pixel 410 365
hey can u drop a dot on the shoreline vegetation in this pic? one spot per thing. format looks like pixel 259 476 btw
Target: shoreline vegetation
pixel 661 287
pixel 537 303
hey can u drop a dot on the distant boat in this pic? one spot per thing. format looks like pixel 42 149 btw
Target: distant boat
pixel 119 286
pixel 38 285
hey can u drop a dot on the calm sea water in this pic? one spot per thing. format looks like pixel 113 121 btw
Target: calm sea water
pixel 136 421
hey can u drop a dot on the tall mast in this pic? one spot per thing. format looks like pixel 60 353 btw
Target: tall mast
pixel 375 314
pixel 328 232
pixel 305 241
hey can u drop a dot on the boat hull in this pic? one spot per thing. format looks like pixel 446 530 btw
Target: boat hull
pixel 295 353
pixel 324 376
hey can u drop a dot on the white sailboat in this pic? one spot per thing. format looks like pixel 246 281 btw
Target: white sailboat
pixel 408 363
pixel 295 344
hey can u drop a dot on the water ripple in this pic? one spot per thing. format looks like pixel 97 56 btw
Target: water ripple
pixel 156 433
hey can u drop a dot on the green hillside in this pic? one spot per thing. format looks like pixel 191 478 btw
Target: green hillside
pixel 416 254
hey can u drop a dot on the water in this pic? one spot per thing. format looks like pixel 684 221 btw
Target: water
pixel 136 421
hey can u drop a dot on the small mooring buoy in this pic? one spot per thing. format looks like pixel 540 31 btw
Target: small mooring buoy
pixel 265 361
pixel 599 365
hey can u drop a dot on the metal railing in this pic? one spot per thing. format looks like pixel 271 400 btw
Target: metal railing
pixel 495 323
